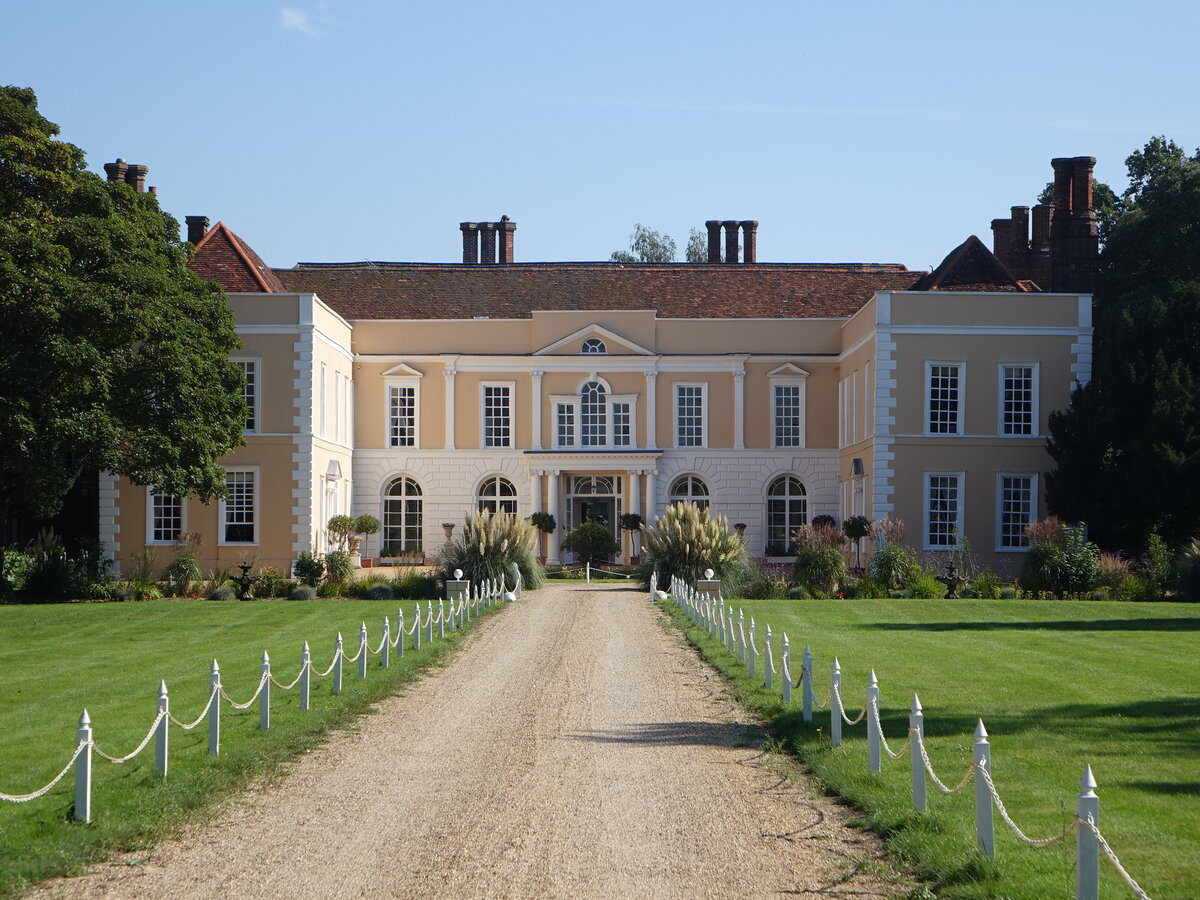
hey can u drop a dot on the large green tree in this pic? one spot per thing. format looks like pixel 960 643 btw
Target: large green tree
pixel 113 355
pixel 1127 449
pixel 647 245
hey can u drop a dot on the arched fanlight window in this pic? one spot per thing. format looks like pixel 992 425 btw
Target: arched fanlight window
pixel 787 510
pixel 593 415
pixel 497 494
pixel 403 514
pixel 690 489
pixel 593 345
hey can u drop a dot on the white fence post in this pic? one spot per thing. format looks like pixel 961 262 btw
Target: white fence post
pixel 441 618
pixel 264 703
pixel 730 640
pixel 916 729
pixel 214 711
pixel 835 704
pixel 429 621
pixel 984 830
pixel 786 670
pixel 589 571
pixel 741 644
pixel 337 665
pixel 768 662
pixel 720 611
pixel 873 725
pixel 161 738
pixel 305 677
pixel 1087 850
pixel 362 651
pixel 807 688
pixel 83 770
pixel 386 647
pixel 750 660
pixel 417 629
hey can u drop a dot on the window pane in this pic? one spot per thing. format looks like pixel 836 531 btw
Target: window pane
pixel 166 517
pixel 593 415
pixel 690 411
pixel 497 416
pixel 1016 509
pixel 402 516
pixel 239 507
pixel 593 345
pixel 690 489
pixel 1017 390
pixel 943 507
pixel 566 425
pixel 622 425
pixel 402 416
pixel 250 370
pixel 787 415
pixel 943 399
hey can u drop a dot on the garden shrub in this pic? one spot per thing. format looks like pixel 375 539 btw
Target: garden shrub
pixel 900 595
pixel 224 592
pixel 329 589
pixel 338 565
pixel 182 573
pixel 269 583
pixel 893 566
pixel 309 568
pixel 592 541
pixel 380 592
pixel 303 592
pixel 53 573
pixel 1008 593
pixel 1185 573
pixel 986 586
pixel 489 545
pixel 819 564
pixel 1062 562
pixel 764 587
pixel 798 593
pixel 926 587
pixel 864 589
pixel 685 541
pixel 418 586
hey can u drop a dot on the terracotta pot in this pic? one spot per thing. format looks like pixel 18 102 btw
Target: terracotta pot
pixel 367 562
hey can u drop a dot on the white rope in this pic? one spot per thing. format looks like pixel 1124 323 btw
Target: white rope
pixel 416 623
pixel 336 653
pixel 882 739
pixel 1108 851
pixel 378 649
pixel 842 709
pixel 261 682
pixel 140 747
pixel 207 706
pixel 24 798
pixel 920 742
pixel 361 646
pixel 828 697
pixel 295 681
pixel 987 780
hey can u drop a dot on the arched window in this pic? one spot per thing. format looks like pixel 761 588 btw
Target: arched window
pixel 690 489
pixel 402 517
pixel 593 415
pixel 787 510
pixel 498 495
pixel 593 345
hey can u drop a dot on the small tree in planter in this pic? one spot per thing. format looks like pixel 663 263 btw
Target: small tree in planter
pixel 363 525
pixel 545 524
pixel 857 528
pixel 592 541
pixel 632 523
pixel 341 530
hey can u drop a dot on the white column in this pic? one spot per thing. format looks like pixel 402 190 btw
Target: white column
pixel 739 408
pixel 537 408
pixel 635 506
pixel 650 473
pixel 651 410
pixel 552 502
pixel 535 491
pixel 450 371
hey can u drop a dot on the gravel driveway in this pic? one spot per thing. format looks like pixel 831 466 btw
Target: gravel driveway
pixel 574 748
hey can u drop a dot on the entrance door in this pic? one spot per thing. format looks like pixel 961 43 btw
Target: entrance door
pixel 596 511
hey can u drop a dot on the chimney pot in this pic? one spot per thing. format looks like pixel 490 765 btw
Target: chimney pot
pixel 1001 238
pixel 750 241
pixel 714 240
pixel 115 170
pixel 731 241
pixel 197 227
pixel 470 238
pixel 135 177
pixel 487 232
pixel 507 227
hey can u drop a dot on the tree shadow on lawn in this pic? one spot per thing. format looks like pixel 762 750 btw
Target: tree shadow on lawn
pixel 717 734
pixel 1146 624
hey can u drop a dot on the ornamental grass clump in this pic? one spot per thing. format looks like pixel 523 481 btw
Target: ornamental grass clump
pixel 686 540
pixel 820 566
pixel 489 545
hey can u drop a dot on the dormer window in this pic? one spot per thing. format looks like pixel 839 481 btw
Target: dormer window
pixel 593 345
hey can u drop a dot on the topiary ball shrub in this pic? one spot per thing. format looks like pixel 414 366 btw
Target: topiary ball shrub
pixel 304 592
pixel 224 592
pixel 1008 593
pixel 380 592
pixel 798 593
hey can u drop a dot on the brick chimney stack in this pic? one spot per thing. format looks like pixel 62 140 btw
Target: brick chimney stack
pixel 197 227
pixel 480 241
pixel 731 241
pixel 749 235
pixel 116 170
pixel 132 175
pixel 714 240
pixel 749 241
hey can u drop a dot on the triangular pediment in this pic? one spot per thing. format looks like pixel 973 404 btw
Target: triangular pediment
pixel 615 344
pixel 787 370
pixel 404 370
pixel 971 266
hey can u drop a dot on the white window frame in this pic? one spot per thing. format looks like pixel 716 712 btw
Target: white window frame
pixel 703 385
pixel 1033 507
pixel 593 346
pixel 511 386
pixel 183 510
pixel 1035 407
pixel 960 515
pixel 574 402
pixel 256 411
pixel 497 499
pixel 410 381
pixel 258 511
pixel 704 501
pixel 802 383
pixel 960 410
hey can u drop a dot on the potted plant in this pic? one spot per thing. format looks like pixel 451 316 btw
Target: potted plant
pixel 545 524
pixel 592 541
pixel 632 523
pixel 857 528
pixel 363 525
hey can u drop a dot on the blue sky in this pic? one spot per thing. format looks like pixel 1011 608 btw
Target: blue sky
pixel 367 129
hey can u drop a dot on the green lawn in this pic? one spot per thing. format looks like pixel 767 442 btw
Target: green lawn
pixel 1058 686
pixel 109 658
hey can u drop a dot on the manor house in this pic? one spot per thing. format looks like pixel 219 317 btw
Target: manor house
pixel 769 392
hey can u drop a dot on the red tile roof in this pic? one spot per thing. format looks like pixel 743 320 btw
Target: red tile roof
pixel 971 266
pixel 223 257
pixel 381 290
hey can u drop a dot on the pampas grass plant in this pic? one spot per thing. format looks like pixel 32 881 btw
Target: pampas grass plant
pixel 686 540
pixel 488 546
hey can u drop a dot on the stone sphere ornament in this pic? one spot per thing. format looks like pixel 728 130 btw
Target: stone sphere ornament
pixel 458 574
pixel 708 574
